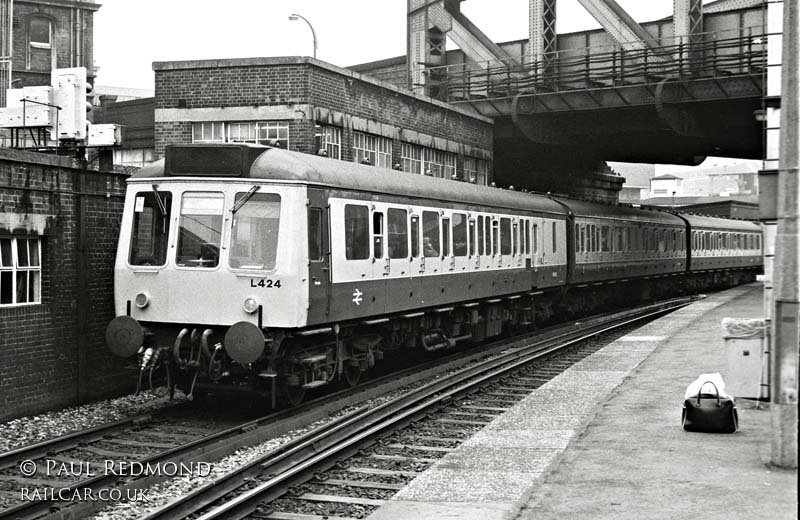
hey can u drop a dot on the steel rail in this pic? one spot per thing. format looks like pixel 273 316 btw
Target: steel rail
pixel 223 442
pixel 292 462
pixel 70 440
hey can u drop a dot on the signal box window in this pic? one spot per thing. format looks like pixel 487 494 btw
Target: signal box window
pixel 430 234
pixel 151 219
pixel 40 33
pixel 398 233
pixel 459 234
pixel 20 271
pixel 254 233
pixel 200 229
pixel 356 232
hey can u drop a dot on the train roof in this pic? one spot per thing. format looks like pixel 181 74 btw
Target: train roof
pixel 279 165
pixel 702 221
pixel 582 208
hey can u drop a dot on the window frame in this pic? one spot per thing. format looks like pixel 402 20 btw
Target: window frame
pixel 15 269
pixel 41 45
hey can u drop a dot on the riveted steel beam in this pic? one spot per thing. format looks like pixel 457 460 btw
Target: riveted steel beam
pixel 542 30
pixel 430 22
pixel 619 24
pixel 688 23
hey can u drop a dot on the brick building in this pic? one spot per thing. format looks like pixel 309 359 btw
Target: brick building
pixel 308 105
pixel 48 34
pixel 58 233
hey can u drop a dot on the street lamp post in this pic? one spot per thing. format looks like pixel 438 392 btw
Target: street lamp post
pixel 295 17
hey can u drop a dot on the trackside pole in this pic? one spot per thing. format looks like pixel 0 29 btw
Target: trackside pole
pixel 786 310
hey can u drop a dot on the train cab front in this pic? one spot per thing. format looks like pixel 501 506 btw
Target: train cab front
pixel 207 275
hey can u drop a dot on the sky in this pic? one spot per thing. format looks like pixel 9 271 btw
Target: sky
pixel 131 34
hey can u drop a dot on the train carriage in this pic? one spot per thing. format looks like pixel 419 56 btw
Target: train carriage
pixel 303 266
pixel 244 267
pixel 718 243
pixel 619 242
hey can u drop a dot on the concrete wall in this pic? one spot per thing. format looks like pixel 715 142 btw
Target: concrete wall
pixel 53 353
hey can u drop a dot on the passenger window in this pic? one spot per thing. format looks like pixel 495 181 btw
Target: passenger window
pixel 377 233
pixel 430 234
pixel 151 220
pixel 459 234
pixel 445 237
pixel 555 243
pixel 536 238
pixel 505 236
pixel 356 232
pixel 314 234
pixel 582 247
pixel 472 237
pixel 495 236
pixel 577 238
pixel 604 245
pixel 398 233
pixel 514 237
pixel 415 236
pixel 527 237
pixel 480 235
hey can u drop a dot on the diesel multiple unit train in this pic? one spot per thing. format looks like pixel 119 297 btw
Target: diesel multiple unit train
pixel 244 267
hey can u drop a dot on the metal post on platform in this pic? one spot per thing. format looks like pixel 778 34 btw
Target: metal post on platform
pixel 786 315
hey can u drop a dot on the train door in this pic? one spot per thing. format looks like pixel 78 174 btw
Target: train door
pixel 431 244
pixel 319 257
pixel 536 250
pixel 416 260
pixel 381 263
pixel 460 250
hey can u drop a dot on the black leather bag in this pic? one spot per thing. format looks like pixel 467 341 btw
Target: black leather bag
pixel 708 413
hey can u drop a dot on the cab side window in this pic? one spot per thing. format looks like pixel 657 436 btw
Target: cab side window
pixel 356 232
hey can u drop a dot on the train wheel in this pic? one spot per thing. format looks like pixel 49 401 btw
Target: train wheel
pixel 293 395
pixel 352 374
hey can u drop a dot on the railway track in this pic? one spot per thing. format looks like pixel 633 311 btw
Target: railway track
pixel 157 439
pixel 349 466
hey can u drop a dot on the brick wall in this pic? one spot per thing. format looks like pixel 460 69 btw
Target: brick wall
pixel 33 65
pixel 53 354
pixel 193 91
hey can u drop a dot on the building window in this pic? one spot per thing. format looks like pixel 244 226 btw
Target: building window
pixel 273 132
pixel 133 156
pixel 411 155
pixel 372 149
pixel 258 132
pixel 331 142
pixel 475 170
pixel 20 271
pixel 40 33
pixel 438 163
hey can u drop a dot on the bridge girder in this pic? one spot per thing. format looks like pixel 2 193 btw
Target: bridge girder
pixel 429 23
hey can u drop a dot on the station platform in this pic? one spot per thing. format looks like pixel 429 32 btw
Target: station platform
pixel 604 440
